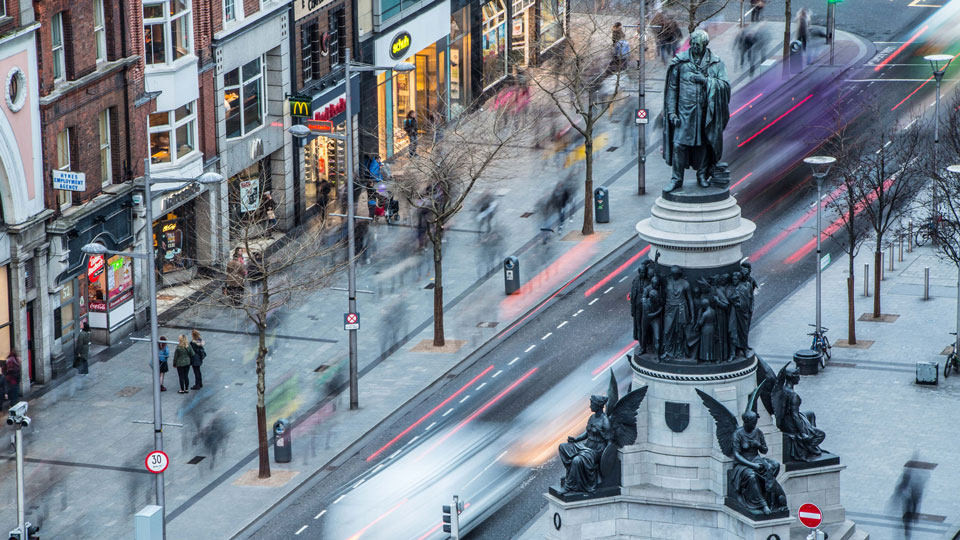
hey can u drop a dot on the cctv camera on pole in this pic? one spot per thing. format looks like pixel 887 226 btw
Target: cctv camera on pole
pixel 18 418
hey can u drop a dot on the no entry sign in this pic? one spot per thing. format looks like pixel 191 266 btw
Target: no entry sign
pixel 157 462
pixel 810 515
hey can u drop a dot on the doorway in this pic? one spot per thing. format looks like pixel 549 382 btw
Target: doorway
pixel 31 370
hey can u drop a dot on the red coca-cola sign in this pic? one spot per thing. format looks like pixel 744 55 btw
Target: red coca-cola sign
pixel 95 266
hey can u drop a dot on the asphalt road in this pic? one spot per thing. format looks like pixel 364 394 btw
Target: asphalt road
pixel 489 433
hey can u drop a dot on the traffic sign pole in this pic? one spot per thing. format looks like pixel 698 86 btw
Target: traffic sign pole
pixel 641 103
pixel 810 515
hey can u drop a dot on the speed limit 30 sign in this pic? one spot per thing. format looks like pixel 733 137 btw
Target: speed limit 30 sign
pixel 157 462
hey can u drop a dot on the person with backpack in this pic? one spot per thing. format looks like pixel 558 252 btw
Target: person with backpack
pixel 181 360
pixel 196 345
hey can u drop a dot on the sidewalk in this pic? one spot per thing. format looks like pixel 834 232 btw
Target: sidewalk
pixel 85 471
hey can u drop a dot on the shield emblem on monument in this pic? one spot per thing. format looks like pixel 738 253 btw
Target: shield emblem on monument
pixel 677 415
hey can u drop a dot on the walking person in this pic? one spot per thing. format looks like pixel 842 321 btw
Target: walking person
pixel 410 127
pixel 11 376
pixel 269 207
pixel 199 353
pixel 163 354
pixel 757 7
pixel 83 350
pixel 803 28
pixel 236 274
pixel 181 360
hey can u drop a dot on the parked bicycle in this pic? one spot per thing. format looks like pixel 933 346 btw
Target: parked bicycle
pixel 821 344
pixel 927 231
pixel 952 362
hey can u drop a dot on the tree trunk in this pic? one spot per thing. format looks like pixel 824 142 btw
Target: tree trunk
pixel 263 447
pixel 438 338
pixel 786 39
pixel 588 184
pixel 877 271
pixel 692 13
pixel 851 315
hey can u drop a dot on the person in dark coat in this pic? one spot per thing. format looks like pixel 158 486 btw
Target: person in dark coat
pixel 83 350
pixel 325 188
pixel 181 360
pixel 11 376
pixel 199 353
pixel 411 128
pixel 163 354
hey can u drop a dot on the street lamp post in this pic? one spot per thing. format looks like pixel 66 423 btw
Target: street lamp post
pixel 148 255
pixel 955 171
pixel 821 166
pixel 642 98
pixel 938 63
pixel 348 67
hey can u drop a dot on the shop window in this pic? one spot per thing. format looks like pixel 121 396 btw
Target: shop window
pixel 325 169
pixel 57 48
pixel 229 10
pixel 170 242
pixel 244 97
pixel 99 32
pixel 460 91
pixel 494 42
pixel 106 160
pixel 113 287
pixel 172 134
pixel 552 21
pixel 167 31
pixel 64 197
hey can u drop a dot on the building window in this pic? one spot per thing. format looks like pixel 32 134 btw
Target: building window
pixel 172 134
pixel 106 164
pixel 64 197
pixel 244 98
pixel 309 49
pixel 99 34
pixel 229 10
pixel 166 31
pixel 59 58
pixel 337 24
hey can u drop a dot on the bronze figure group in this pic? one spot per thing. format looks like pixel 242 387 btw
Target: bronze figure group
pixel 709 323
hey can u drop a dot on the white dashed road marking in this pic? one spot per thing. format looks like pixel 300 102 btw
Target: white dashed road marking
pixel 623 279
pixel 546 336
pixel 430 426
pixel 592 302
pixel 530 348
pixel 466 398
pixel 300 530
pixel 578 312
pixel 510 363
pixel 497 373
pixel 450 410
pixel 322 512
pixel 481 386
pixel 608 290
pixel 340 498
pixel 561 325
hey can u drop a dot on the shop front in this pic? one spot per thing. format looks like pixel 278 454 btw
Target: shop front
pixel 461 83
pixel 423 92
pixel 494 42
pixel 108 291
pixel 523 37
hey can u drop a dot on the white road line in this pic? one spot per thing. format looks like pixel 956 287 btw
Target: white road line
pixel 548 334
pixel 608 290
pixel 510 363
pixel 430 426
pixel 914 121
pixel 322 512
pixel 497 373
pixel 340 498
pixel 358 484
pixel 481 386
pixel 485 469
pixel 592 302
pixel 623 278
pixel 300 530
pixel 450 410
pixel 466 398
pixel 530 348
pixel 375 469
pixel 578 312
pixel 561 325
pixel 605 371
pixel 393 455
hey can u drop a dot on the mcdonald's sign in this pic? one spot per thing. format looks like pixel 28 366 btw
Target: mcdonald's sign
pixel 300 107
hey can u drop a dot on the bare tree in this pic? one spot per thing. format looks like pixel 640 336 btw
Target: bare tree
pixel 890 175
pixel 265 273
pixel 438 177
pixel 572 81
pixel 698 11
pixel 786 38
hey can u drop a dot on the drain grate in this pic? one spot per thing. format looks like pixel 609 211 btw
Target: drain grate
pixel 612 149
pixel 842 364
pixel 526 214
pixel 238 384
pixel 322 368
pixel 926 465
pixel 128 391
pixel 330 467
pixel 430 285
pixel 488 324
pixel 195 459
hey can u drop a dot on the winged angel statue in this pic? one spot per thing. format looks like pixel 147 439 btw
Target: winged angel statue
pixel 753 479
pixel 591 459
pixel 800 431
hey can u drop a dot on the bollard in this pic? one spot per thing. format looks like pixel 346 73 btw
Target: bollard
pixel 900 255
pixel 148 523
pixel 866 280
pixel 910 237
pixel 882 256
pixel 926 282
pixel 891 257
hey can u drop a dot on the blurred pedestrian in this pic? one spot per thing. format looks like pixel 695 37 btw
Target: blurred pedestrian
pixel 11 375
pixel 486 207
pixel 256 271
pixel 421 228
pixel 757 7
pixel 560 200
pixel 908 494
pixel 324 200
pixel 236 275
pixel 163 354
pixel 668 36
pixel 803 28
pixel 181 361
pixel 410 127
pixel 196 359
pixel 269 207
pixel 360 230
pixel 82 350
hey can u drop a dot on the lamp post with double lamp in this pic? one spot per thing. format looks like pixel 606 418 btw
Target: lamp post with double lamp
pixel 821 166
pixel 148 255
pixel 301 131
pixel 954 170
pixel 938 63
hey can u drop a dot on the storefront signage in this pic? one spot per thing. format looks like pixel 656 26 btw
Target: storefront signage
pixel 169 227
pixel 98 306
pixel 399 45
pixel 320 126
pixel 188 192
pixel 69 181
pixel 249 195
pixel 94 268
pixel 330 110
pixel 300 107
pixel 302 8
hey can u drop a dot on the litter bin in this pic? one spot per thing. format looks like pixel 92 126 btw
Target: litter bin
pixel 808 361
pixel 281 442
pixel 601 205
pixel 928 373
pixel 796 56
pixel 511 274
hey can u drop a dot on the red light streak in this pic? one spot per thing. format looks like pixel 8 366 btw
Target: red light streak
pixel 528 315
pixel 910 95
pixel 482 409
pixel 387 513
pixel 435 409
pixel 734 186
pixel 790 110
pixel 901 48
pixel 796 224
pixel 613 359
pixel 613 274
pixel 756 97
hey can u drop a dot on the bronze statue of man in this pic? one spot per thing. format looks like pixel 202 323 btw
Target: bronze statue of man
pixel 696 107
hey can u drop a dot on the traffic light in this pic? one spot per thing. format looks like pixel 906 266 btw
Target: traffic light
pixel 32 531
pixel 451 518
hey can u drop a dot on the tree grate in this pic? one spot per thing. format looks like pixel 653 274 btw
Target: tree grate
pixel 430 285
pixel 322 368
pixel 526 214
pixel 195 459
pixel 926 465
pixel 612 149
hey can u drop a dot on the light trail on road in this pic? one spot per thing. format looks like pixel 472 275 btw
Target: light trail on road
pixel 744 106
pixel 790 110
pixel 374 522
pixel 616 357
pixel 614 274
pixel 899 50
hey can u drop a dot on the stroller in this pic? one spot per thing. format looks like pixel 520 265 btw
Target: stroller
pixel 393 209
